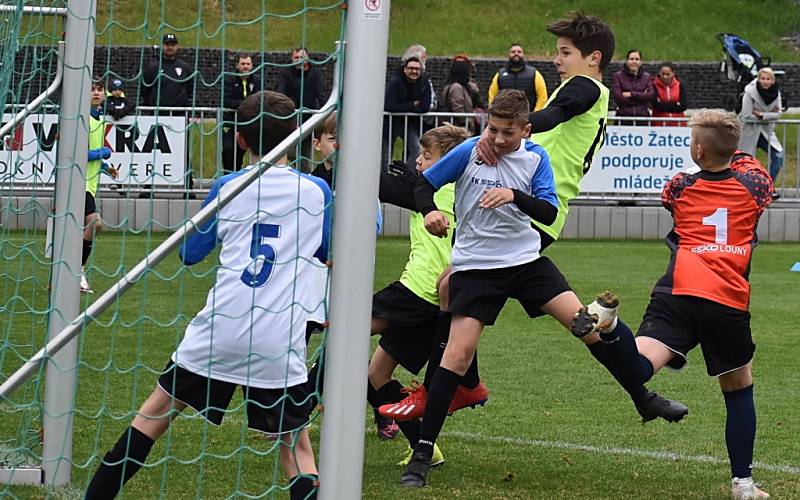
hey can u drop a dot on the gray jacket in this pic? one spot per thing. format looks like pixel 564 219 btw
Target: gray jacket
pixel 754 127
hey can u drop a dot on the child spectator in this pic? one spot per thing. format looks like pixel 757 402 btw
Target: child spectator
pixel 117 105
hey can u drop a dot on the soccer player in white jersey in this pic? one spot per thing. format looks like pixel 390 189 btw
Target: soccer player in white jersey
pixel 251 331
pixel 496 252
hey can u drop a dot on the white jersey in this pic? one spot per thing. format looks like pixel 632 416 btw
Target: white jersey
pixel 252 328
pixel 498 237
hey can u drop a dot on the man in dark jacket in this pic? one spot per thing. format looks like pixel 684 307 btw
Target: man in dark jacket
pixel 168 81
pixel 237 86
pixel 302 79
pixel 408 92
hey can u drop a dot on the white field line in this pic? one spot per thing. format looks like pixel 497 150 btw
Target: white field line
pixel 607 450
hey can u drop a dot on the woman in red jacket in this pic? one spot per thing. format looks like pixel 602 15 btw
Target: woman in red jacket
pixel 670 97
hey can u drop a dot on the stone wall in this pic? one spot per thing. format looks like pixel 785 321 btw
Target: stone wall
pixel 704 82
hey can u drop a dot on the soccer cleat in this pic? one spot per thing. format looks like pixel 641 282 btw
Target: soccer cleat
pixel 85 288
pixel 436 460
pixel 743 488
pixel 416 471
pixel 411 407
pixel 387 428
pixel 465 397
pixel 599 316
pixel 654 406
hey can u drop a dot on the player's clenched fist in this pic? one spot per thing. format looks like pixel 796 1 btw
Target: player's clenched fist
pixel 436 223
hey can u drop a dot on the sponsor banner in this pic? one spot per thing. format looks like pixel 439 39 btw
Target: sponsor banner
pixel 638 159
pixel 147 150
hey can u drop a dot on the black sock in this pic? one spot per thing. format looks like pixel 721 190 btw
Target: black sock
pixel 372 396
pixel 87 249
pixel 443 386
pixel 128 453
pixel 391 393
pixel 435 359
pixel 623 360
pixel 740 430
pixel 303 487
pixel 598 350
pixel 472 378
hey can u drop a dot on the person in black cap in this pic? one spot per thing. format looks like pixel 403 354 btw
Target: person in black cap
pixel 117 105
pixel 168 81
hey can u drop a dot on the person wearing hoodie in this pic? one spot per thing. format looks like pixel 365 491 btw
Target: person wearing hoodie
pixel 408 92
pixel 632 88
pixel 669 100
pixel 761 107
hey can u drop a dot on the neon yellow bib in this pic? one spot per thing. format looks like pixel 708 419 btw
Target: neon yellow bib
pixel 571 146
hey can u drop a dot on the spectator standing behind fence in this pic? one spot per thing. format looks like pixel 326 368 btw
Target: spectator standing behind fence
pixel 460 95
pixel 117 105
pixel 517 74
pixel 633 89
pixel 420 52
pixel 761 106
pixel 669 100
pixel 302 83
pixel 168 81
pixel 408 92
pixel 237 87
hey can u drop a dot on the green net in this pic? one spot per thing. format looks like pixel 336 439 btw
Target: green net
pixel 168 154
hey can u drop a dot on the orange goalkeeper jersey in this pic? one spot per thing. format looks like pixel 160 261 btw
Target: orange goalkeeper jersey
pixel 715 217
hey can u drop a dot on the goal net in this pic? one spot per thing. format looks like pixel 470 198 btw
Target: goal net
pixel 169 72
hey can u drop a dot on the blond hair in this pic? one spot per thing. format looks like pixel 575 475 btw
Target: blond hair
pixel 768 71
pixel 718 132
pixel 444 138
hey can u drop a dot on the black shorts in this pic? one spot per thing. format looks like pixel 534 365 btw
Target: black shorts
pixel 89 207
pixel 411 329
pixel 274 411
pixel 680 322
pixel 482 293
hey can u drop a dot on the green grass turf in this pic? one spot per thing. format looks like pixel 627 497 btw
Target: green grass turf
pixel 549 397
pixel 681 30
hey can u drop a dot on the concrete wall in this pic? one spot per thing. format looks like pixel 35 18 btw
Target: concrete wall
pixel 705 85
pixel 584 221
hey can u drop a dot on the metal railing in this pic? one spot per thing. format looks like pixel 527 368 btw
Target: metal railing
pixel 409 126
pixel 203 162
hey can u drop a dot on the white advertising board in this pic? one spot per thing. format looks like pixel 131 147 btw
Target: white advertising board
pixel 148 150
pixel 638 159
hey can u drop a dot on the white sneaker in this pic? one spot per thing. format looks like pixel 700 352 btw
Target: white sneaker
pixel 745 489
pixel 85 288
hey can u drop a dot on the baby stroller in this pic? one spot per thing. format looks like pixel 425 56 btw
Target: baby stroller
pixel 740 64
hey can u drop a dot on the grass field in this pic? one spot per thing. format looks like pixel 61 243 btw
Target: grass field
pixel 556 426
pixel 681 30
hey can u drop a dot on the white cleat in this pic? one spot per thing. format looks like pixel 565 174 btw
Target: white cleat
pixel 85 288
pixel 599 316
pixel 743 488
